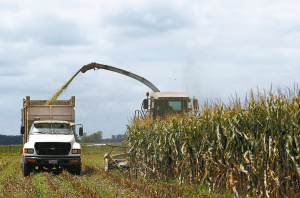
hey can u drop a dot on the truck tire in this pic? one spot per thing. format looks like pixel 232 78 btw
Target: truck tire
pixel 75 169
pixel 26 169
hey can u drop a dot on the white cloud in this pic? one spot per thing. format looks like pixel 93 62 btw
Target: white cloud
pixel 212 49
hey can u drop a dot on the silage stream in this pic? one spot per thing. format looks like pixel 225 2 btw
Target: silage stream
pixel 55 96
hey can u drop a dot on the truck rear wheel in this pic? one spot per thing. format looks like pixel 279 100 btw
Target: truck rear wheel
pixel 26 169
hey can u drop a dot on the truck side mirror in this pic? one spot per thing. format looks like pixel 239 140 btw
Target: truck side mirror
pixel 81 131
pixel 22 131
pixel 145 103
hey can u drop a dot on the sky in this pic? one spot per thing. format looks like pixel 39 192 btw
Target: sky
pixel 210 49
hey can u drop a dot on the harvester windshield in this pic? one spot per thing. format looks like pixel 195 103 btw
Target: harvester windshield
pixel 162 107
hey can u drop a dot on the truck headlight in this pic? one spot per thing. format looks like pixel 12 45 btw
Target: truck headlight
pixel 29 151
pixel 76 151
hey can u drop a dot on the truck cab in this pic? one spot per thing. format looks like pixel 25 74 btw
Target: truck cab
pixel 51 146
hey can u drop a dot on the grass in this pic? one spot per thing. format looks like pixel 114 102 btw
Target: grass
pixel 93 182
pixel 8 150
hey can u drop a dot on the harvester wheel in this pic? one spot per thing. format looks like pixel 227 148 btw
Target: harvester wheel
pixel 106 161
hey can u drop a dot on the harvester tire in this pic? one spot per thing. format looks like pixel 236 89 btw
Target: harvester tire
pixel 106 162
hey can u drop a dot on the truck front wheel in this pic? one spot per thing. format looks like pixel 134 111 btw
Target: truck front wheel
pixel 26 169
pixel 75 169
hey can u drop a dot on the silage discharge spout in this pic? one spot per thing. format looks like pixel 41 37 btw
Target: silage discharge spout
pixel 120 71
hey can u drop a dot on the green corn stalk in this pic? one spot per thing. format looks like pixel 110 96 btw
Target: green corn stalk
pixel 252 149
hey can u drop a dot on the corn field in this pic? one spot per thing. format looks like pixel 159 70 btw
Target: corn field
pixel 250 148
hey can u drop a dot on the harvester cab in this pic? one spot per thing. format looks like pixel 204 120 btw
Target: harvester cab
pixel 161 103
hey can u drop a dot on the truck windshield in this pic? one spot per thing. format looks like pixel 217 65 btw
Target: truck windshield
pixel 52 128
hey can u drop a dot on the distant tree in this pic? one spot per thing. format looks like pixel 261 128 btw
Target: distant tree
pixel 10 139
pixel 100 132
pixel 94 138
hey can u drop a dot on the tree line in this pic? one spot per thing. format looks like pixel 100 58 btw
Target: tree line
pixel 94 138
pixel 10 139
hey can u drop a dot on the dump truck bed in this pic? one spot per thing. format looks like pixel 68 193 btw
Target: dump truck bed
pixel 37 110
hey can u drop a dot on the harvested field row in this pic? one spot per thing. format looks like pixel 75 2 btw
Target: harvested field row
pixel 93 182
pixel 13 184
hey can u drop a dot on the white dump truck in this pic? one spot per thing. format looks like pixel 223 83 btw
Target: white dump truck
pixel 49 137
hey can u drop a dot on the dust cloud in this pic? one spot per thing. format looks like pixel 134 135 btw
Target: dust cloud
pixel 192 79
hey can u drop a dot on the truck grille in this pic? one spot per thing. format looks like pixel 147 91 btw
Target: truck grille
pixel 52 148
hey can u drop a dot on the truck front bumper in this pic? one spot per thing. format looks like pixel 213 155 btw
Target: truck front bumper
pixel 53 160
